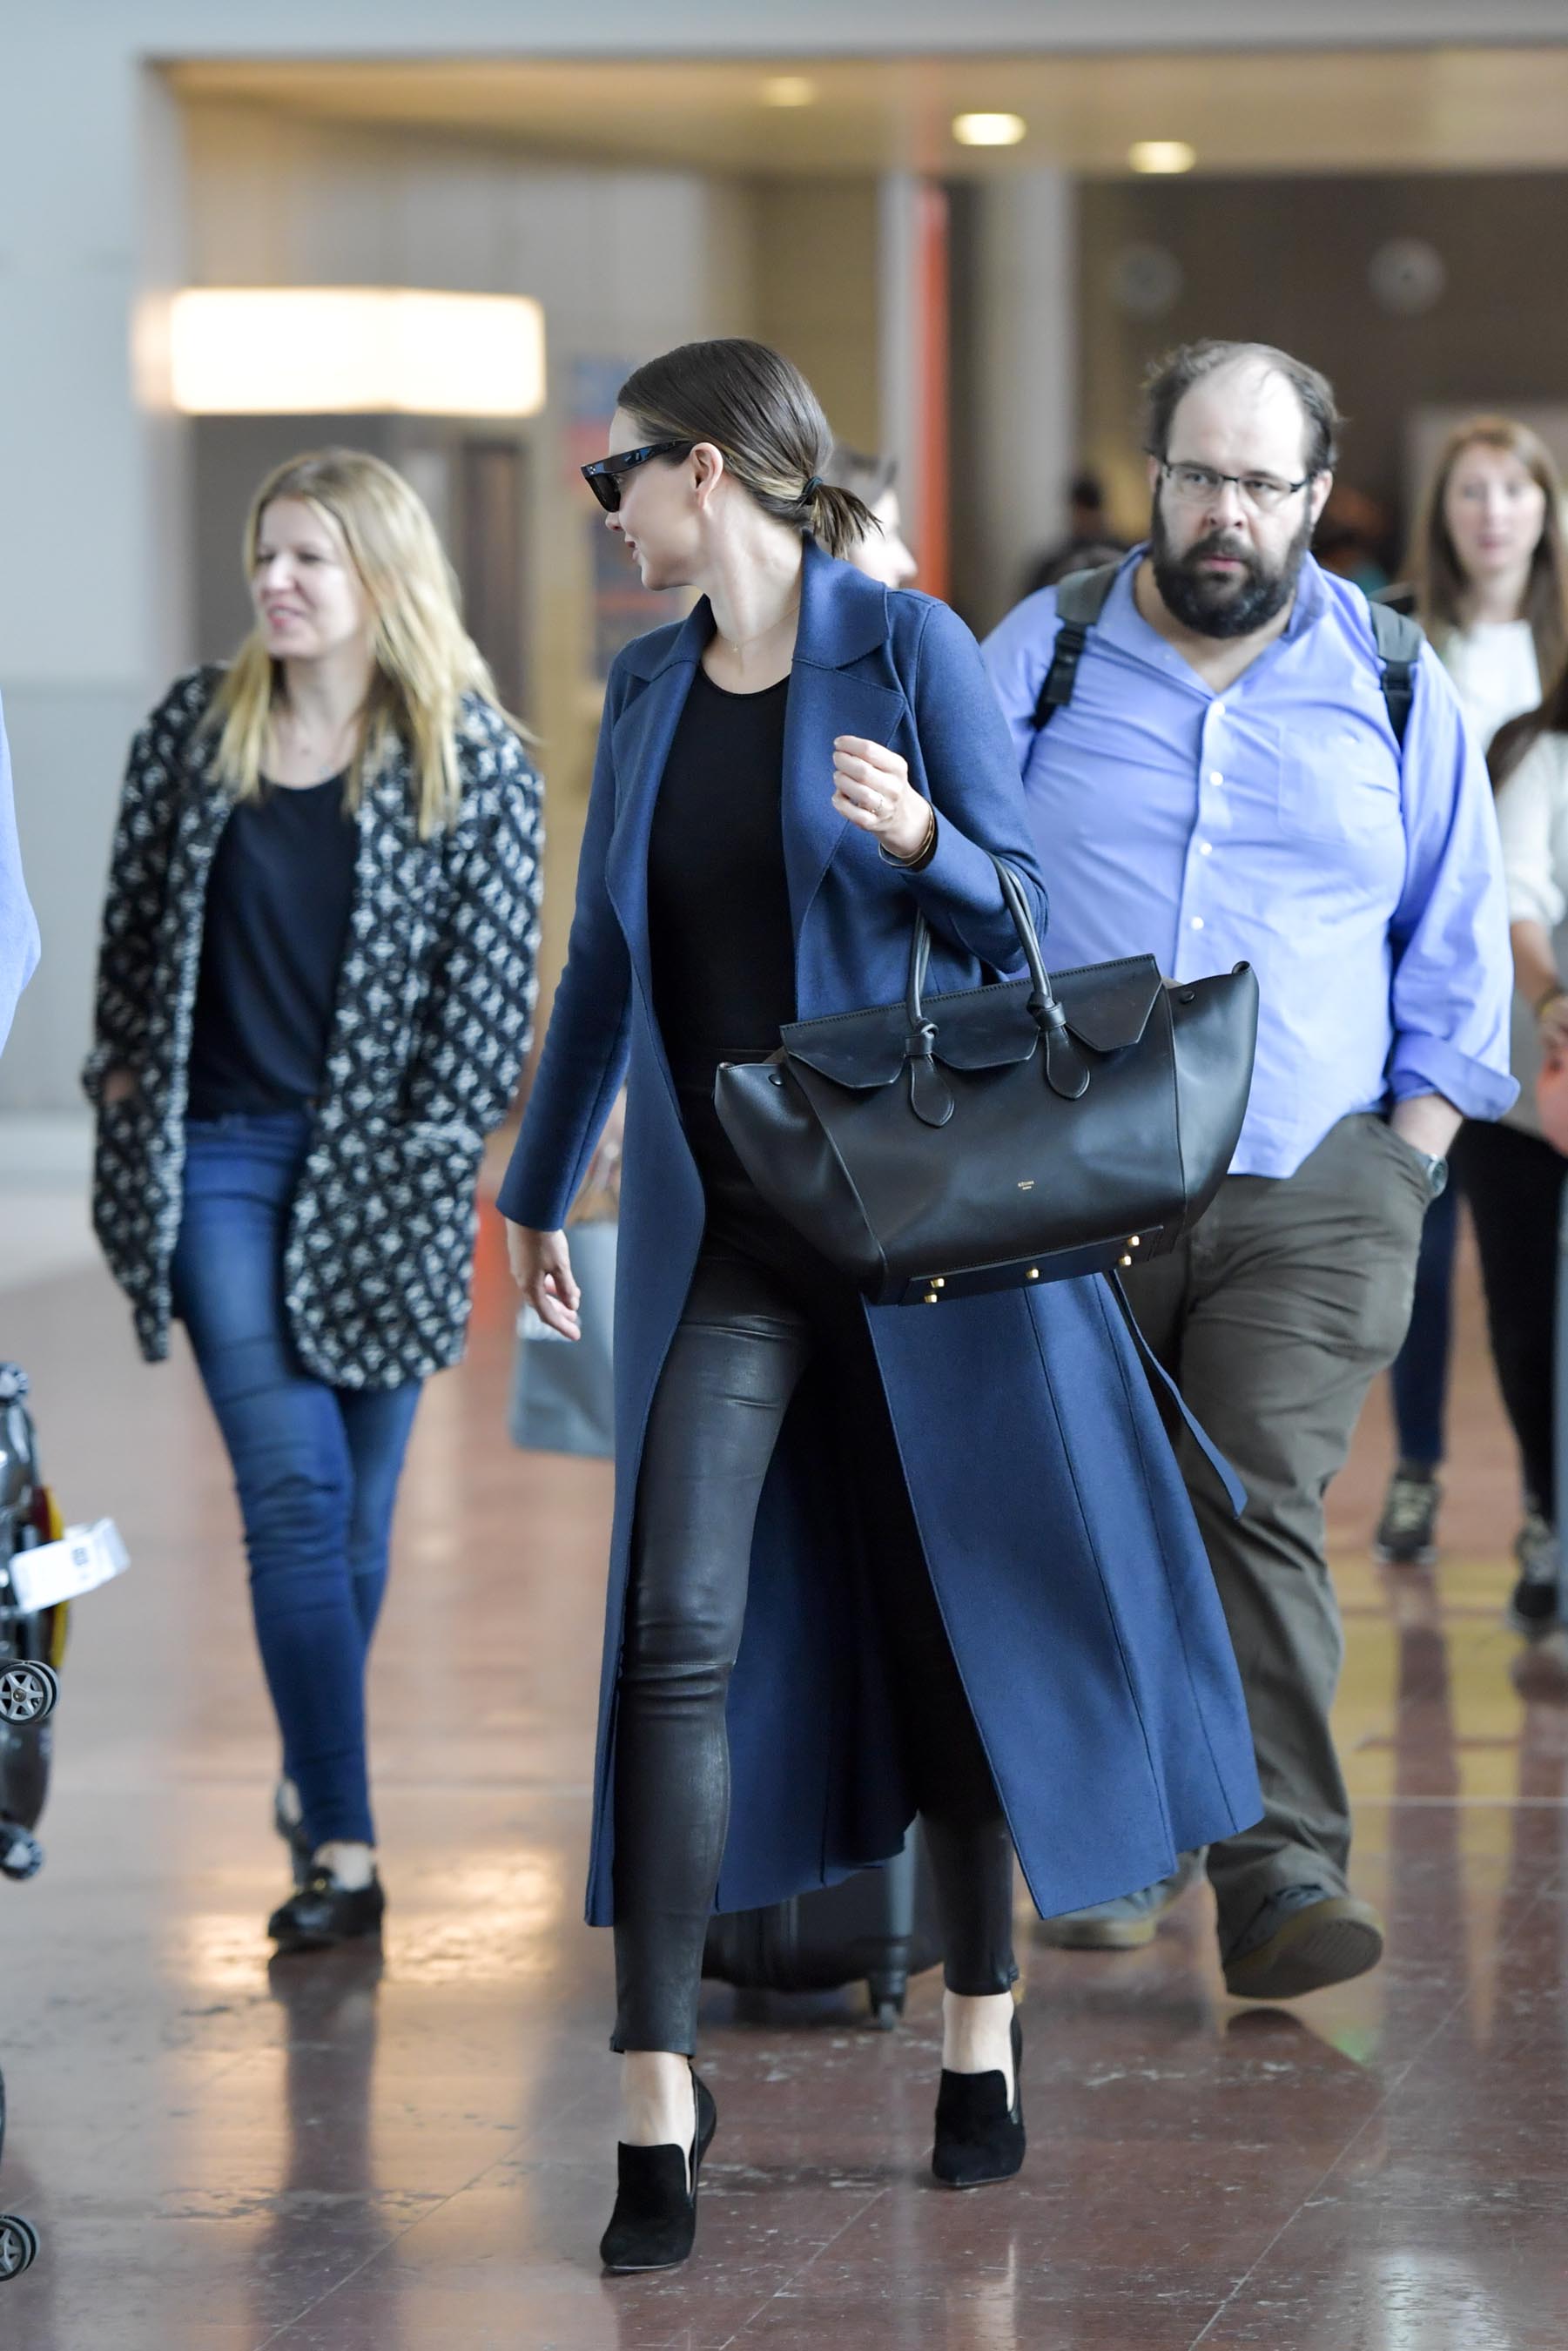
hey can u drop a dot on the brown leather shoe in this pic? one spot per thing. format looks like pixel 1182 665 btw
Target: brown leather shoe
pixel 1300 1945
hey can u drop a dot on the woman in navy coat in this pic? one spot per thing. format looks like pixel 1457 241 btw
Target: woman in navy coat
pixel 867 1562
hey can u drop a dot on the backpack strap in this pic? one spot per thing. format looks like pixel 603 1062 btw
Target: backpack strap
pixel 1079 601
pixel 1399 638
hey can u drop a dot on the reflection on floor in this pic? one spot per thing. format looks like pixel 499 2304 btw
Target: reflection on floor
pixel 347 2153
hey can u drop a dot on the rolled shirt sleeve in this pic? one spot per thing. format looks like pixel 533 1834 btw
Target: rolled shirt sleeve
pixel 18 925
pixel 1452 967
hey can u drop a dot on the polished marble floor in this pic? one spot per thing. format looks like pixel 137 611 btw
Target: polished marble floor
pixel 413 2150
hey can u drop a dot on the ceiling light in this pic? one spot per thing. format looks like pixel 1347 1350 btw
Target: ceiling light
pixel 1161 155
pixel 788 89
pixel 336 350
pixel 988 129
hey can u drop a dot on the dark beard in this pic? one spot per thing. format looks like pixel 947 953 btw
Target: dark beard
pixel 1211 608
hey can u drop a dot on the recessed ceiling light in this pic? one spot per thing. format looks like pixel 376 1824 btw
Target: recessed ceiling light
pixel 788 89
pixel 988 129
pixel 1161 155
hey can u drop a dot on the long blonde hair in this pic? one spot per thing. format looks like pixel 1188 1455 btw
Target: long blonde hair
pixel 1434 563
pixel 425 661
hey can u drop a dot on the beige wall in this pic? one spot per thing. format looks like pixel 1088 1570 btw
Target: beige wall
pixel 1286 261
pixel 816 292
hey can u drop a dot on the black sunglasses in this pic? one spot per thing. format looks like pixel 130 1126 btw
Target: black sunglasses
pixel 603 476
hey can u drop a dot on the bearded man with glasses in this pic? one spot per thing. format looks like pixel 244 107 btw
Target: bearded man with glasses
pixel 1228 773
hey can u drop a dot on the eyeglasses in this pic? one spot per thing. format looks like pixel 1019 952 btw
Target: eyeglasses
pixel 1195 485
pixel 603 476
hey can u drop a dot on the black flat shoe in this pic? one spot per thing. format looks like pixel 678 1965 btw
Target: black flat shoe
pixel 978 2140
pixel 301 1852
pixel 323 1914
pixel 655 2223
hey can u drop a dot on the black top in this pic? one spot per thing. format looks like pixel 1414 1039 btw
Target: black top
pixel 718 904
pixel 279 901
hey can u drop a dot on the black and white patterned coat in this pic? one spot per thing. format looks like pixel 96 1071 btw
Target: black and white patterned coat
pixel 434 1004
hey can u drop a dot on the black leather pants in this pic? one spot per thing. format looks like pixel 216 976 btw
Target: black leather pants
pixel 762 1307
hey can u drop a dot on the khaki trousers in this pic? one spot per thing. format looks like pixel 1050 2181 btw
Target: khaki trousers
pixel 1274 1316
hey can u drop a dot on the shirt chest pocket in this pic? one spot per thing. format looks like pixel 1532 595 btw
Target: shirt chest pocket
pixel 1341 785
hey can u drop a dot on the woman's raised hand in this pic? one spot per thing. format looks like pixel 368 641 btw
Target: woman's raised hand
pixel 872 788
pixel 541 1267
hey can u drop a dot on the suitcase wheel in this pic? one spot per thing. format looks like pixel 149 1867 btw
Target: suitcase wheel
pixel 887 1998
pixel 18 2245
pixel 28 1689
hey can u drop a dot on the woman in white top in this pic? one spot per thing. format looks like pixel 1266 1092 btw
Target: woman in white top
pixel 1491 587
pixel 1515 1182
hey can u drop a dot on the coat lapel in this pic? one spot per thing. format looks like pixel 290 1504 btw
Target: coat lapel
pixel 643 734
pixel 843 617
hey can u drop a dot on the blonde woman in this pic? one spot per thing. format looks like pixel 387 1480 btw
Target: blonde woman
pixel 314 996
pixel 1490 584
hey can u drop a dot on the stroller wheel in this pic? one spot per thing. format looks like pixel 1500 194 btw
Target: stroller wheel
pixel 18 2245
pixel 21 1855
pixel 28 1689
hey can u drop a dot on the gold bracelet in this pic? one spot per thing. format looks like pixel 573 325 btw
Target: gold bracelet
pixel 928 842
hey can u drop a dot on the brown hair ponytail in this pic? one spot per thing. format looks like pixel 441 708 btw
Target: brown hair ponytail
pixel 761 414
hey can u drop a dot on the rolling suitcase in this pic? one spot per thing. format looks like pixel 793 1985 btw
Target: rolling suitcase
pixel 879 1926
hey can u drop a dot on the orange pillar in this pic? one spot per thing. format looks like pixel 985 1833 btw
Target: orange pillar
pixel 932 389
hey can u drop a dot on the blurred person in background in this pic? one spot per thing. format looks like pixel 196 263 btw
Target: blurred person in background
pixel 1349 538
pixel 880 553
pixel 1489 581
pixel 18 925
pixel 314 997
pixel 1224 783
pixel 1089 557
pixel 1089 532
pixel 940 1547
pixel 1512 1174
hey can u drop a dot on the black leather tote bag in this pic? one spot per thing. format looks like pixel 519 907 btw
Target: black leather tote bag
pixel 994 1136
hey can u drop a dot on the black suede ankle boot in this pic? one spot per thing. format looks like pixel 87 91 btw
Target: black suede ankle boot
pixel 322 1914
pixel 978 2140
pixel 655 2223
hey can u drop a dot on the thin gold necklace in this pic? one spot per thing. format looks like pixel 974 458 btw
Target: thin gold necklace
pixel 739 645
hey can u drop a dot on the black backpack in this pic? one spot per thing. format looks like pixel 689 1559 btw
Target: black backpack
pixel 1080 599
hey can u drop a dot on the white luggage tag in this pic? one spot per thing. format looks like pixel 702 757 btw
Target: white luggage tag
pixel 83 1559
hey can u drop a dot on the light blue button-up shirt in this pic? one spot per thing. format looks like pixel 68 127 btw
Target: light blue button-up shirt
pixel 1275 824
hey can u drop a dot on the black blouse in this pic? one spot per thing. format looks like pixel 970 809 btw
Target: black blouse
pixel 722 942
pixel 279 901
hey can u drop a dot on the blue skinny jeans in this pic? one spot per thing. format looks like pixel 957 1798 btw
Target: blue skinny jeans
pixel 316 1468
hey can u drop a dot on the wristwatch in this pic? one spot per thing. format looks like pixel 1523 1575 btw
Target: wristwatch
pixel 1437 1171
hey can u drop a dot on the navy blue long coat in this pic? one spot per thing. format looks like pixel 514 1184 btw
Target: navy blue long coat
pixel 1077 1596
